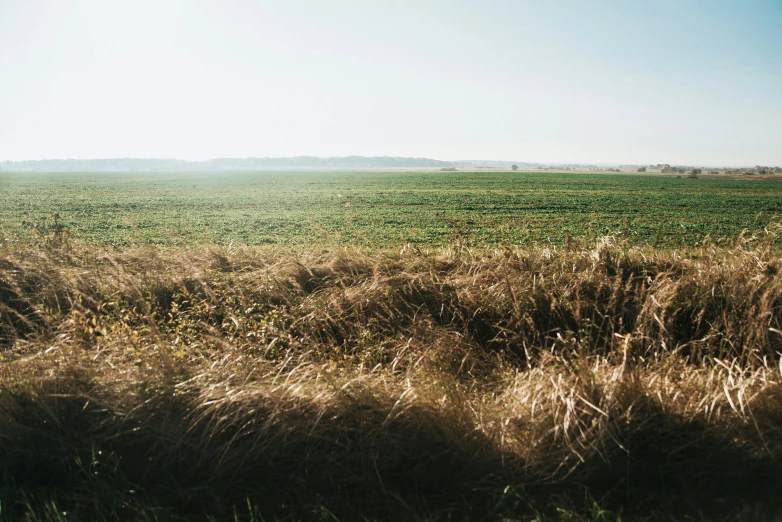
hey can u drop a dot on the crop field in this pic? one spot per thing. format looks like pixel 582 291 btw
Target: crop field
pixel 389 346
pixel 378 210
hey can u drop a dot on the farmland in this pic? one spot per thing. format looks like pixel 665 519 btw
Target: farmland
pixel 389 346
pixel 379 210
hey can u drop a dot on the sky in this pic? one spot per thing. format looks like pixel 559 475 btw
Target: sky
pixel 574 81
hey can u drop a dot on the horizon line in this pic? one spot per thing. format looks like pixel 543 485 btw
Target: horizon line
pixel 356 156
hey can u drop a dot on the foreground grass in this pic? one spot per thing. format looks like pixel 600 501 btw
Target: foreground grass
pixel 216 383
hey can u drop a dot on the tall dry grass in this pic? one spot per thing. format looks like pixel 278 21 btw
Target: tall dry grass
pixel 588 383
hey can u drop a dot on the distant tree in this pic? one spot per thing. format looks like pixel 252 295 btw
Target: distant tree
pixel 642 169
pixel 694 173
pixel 514 167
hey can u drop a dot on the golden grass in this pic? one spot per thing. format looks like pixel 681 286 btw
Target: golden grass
pixel 240 383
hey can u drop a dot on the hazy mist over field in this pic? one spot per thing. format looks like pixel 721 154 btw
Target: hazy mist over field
pixel 588 82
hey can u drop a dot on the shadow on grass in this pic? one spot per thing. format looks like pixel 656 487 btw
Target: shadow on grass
pixel 173 458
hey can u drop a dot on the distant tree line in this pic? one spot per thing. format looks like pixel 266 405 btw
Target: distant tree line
pixel 298 162
pixel 666 168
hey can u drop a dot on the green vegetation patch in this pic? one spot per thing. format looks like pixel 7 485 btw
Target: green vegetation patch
pixel 381 209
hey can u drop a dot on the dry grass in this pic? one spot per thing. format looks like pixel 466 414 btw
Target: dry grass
pixel 581 383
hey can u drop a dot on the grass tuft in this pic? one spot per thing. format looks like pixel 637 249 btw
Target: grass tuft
pixel 580 383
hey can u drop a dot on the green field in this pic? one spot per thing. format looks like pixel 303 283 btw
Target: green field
pixel 383 209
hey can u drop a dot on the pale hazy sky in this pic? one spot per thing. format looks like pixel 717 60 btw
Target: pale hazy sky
pixel 679 81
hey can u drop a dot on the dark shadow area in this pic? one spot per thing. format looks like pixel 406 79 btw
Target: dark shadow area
pixel 183 462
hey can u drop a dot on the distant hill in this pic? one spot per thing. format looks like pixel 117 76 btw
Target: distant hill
pixel 298 162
